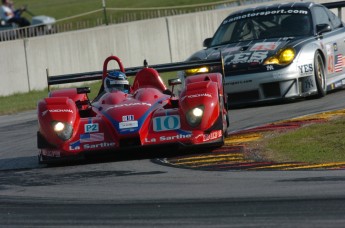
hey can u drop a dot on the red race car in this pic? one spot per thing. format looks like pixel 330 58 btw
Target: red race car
pixel 125 116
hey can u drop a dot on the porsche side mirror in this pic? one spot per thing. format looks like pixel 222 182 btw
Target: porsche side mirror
pixel 174 81
pixel 207 42
pixel 322 28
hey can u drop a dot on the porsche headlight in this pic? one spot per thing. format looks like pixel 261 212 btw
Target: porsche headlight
pixel 196 71
pixel 63 130
pixel 284 57
pixel 194 116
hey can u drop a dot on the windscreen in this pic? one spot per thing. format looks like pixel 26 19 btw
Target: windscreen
pixel 263 25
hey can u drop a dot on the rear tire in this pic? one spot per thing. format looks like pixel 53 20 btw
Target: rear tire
pixel 319 72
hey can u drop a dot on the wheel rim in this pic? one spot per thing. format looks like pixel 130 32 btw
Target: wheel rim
pixel 320 74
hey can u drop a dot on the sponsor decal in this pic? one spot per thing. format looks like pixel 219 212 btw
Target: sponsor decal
pixel 44 112
pixel 200 95
pixel 99 145
pixel 213 135
pixel 278 75
pixel 308 83
pixel 77 146
pixel 329 49
pixel 335 46
pixel 51 153
pixel 337 84
pixel 127 118
pixel 246 57
pixel 74 145
pixel 131 104
pixel 166 123
pixel 330 64
pixel 335 61
pixel 91 128
pixel 265 13
pixel 128 124
pixel 57 111
pixel 85 138
pixel 225 51
pixel 265 46
pixel 269 67
pixel 60 110
pixel 239 82
pixel 168 138
pixel 306 69
pixel 338 63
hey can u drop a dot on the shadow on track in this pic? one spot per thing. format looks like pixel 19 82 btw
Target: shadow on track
pixel 130 155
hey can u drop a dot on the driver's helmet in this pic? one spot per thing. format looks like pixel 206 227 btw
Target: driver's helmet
pixel 116 81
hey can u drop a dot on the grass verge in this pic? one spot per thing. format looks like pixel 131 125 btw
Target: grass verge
pixel 315 143
pixel 28 101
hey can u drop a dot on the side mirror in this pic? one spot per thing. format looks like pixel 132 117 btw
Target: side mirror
pixel 83 90
pixel 174 81
pixel 207 42
pixel 322 28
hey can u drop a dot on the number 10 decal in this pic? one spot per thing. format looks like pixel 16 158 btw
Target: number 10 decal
pixel 166 123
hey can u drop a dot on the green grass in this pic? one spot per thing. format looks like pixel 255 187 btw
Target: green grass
pixel 28 101
pixel 20 102
pixel 60 9
pixel 314 143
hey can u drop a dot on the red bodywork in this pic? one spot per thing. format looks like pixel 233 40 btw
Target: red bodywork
pixel 148 116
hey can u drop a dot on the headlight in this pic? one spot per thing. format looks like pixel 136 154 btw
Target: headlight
pixel 194 116
pixel 63 130
pixel 283 57
pixel 197 71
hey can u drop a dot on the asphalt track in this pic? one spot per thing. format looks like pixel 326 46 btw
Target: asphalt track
pixel 136 191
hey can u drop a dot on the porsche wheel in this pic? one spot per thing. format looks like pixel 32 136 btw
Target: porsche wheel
pixel 319 72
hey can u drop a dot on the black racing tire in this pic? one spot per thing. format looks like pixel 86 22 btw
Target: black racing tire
pixel 320 77
pixel 221 108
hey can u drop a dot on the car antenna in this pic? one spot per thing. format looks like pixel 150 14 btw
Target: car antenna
pixel 47 74
pixel 146 65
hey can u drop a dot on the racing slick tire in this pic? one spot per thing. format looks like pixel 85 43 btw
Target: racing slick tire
pixel 224 119
pixel 319 72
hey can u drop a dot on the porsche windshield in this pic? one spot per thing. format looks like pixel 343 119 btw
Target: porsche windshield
pixel 263 25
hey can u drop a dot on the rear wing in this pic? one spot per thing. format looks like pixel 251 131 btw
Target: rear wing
pixel 161 68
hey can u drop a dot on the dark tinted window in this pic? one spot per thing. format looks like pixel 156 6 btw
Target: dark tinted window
pixel 263 25
pixel 321 16
pixel 336 22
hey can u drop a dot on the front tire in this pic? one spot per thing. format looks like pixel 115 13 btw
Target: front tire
pixel 319 72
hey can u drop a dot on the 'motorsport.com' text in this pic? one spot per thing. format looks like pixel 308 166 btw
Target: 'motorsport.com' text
pixel 264 13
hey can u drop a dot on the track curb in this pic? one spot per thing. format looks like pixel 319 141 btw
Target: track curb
pixel 232 155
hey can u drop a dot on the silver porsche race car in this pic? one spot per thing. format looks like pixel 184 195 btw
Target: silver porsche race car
pixel 280 51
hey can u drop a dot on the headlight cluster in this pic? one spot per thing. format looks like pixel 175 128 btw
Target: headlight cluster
pixel 196 71
pixel 63 130
pixel 194 116
pixel 283 57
